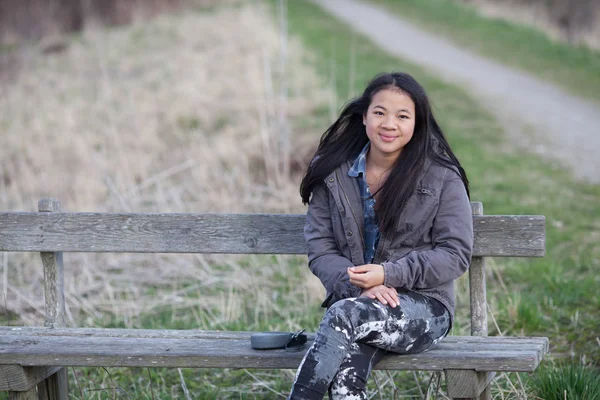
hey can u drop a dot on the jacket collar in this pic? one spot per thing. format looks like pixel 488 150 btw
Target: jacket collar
pixel 360 164
pixel 345 177
pixel 345 188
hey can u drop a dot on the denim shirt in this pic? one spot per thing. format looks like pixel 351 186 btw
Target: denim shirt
pixel 359 170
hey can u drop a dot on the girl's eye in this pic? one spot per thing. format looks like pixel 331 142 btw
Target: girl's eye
pixel 404 117
pixel 378 113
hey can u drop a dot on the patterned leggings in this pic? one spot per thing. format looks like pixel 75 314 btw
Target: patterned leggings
pixel 354 336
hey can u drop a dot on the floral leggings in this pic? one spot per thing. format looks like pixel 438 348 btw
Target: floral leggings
pixel 354 336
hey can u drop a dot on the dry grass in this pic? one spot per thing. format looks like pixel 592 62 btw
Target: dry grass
pixel 180 114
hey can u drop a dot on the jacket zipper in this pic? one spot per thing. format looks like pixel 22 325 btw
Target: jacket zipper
pixel 350 206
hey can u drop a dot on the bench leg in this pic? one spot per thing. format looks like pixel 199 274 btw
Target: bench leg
pixel 55 387
pixel 485 395
pixel 468 384
pixel 16 378
pixel 31 394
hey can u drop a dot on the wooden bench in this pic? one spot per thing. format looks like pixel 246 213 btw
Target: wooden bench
pixel 31 358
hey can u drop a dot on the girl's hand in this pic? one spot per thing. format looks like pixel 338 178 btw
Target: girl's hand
pixel 366 276
pixel 384 294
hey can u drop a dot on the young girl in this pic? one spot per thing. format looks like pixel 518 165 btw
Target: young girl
pixel 388 230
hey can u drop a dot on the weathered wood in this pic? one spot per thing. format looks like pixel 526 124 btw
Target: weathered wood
pixel 467 384
pixel 477 208
pixel 515 342
pixel 54 389
pixel 486 394
pixel 468 360
pixel 509 235
pixel 30 394
pixel 56 386
pixel 478 304
pixel 54 281
pixel 18 378
pixel 479 321
pixel 503 355
pixel 477 288
pixel 451 344
pixel 496 235
pixel 54 284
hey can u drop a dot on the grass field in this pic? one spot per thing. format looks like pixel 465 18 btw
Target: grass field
pixel 575 68
pixel 555 296
pixel 507 181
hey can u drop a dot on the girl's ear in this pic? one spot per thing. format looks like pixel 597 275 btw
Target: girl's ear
pixel 365 119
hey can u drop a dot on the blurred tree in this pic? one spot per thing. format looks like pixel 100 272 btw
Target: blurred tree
pixel 34 19
pixel 572 17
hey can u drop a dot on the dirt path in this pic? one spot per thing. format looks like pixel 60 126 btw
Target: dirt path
pixel 537 115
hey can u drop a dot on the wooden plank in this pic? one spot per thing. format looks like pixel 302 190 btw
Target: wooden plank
pixel 222 335
pixel 55 386
pixel 222 233
pixel 506 235
pixel 478 298
pixel 18 378
pixel 479 327
pixel 486 394
pixel 30 394
pixel 475 384
pixel 234 353
pixel 477 288
pixel 448 345
pixel 494 341
pixel 54 283
pixel 467 384
pixel 54 389
pixel 477 208
pixel 54 280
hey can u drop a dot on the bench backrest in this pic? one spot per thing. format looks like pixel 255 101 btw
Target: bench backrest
pixel 52 232
pixel 495 235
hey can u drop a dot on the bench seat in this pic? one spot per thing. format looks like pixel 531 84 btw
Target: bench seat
pixel 28 346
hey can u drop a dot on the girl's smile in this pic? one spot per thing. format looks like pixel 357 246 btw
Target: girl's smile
pixel 387 138
pixel 390 123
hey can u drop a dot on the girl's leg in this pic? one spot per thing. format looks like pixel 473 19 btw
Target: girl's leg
pixel 350 381
pixel 411 327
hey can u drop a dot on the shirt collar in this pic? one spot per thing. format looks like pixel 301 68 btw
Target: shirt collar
pixel 360 164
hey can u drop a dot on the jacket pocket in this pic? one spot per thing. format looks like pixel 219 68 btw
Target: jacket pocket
pixel 417 218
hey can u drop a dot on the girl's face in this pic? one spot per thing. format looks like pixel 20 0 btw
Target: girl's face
pixel 390 122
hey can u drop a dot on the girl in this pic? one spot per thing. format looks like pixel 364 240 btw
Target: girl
pixel 388 230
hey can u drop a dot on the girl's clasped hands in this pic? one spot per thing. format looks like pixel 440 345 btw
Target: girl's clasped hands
pixel 370 278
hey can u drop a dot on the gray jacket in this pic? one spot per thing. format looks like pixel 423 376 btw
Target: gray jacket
pixel 431 247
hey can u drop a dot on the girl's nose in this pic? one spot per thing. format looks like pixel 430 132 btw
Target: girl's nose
pixel 388 123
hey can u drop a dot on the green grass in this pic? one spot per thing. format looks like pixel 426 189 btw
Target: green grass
pixel 554 296
pixel 570 381
pixel 575 68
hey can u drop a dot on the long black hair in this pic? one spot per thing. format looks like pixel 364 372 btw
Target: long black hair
pixel 347 136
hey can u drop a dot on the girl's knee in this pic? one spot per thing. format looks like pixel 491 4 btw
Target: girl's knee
pixel 349 307
pixel 350 312
pixel 351 303
pixel 339 309
pixel 342 313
